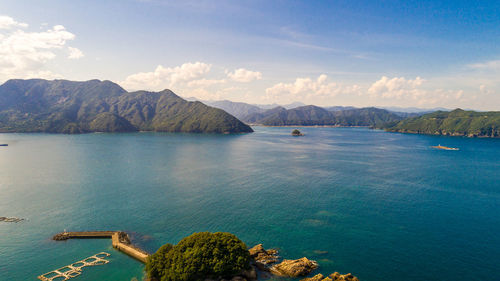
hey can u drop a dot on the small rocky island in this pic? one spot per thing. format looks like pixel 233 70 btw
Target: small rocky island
pixel 297 133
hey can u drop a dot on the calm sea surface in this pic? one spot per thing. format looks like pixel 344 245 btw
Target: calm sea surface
pixel 383 206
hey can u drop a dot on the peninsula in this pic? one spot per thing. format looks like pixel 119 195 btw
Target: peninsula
pixel 454 123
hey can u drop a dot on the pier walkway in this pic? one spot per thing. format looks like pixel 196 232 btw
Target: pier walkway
pixel 119 240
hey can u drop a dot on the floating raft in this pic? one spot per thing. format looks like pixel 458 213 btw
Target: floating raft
pixel 119 240
pixel 74 269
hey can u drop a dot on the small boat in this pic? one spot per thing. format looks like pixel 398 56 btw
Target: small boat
pixel 445 147
pixel 3 144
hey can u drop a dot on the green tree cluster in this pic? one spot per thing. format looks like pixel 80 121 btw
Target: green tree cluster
pixel 199 256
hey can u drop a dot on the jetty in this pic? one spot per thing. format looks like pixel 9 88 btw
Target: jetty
pixel 119 240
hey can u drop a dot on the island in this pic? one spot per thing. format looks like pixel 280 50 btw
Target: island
pixel 297 133
pixel 62 106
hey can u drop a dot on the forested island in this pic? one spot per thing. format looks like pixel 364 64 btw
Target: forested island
pixel 61 106
pixel 454 123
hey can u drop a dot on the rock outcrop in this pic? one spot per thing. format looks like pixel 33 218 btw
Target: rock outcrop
pixel 262 257
pixel 317 277
pixel 333 277
pixel 294 268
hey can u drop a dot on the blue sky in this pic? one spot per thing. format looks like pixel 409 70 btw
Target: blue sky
pixel 361 53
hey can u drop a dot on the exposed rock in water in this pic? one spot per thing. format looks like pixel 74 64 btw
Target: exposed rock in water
pixel 263 257
pixel 296 133
pixel 317 277
pixel 294 268
pixel 346 277
pixel 333 277
pixel 6 219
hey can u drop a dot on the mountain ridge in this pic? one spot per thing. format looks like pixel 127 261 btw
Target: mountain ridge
pixel 63 106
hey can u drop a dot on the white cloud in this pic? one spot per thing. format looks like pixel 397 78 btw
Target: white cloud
pixel 25 54
pixel 492 65
pixel 165 77
pixel 75 53
pixel 304 89
pixel 244 75
pixel 410 92
pixel 206 82
pixel 397 87
pixel 7 22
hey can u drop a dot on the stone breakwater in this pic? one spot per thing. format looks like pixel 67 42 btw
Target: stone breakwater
pixel 119 240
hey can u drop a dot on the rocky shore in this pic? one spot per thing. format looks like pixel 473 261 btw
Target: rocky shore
pixel 266 262
pixel 333 277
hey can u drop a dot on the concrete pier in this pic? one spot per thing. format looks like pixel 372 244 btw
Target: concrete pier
pixel 119 240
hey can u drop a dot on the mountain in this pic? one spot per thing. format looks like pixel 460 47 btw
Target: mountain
pixel 62 106
pixel 286 106
pixel 255 118
pixel 413 109
pixel 311 115
pixel 237 109
pixel 454 123
pixel 339 108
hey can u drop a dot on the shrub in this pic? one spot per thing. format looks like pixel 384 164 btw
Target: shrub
pixel 199 256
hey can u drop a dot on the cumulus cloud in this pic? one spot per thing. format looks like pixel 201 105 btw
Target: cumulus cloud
pixel 206 82
pixel 24 54
pixel 397 87
pixel 244 75
pixel 307 88
pixel 410 91
pixel 75 53
pixel 7 22
pixel 165 77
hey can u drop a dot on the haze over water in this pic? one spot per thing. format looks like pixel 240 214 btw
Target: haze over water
pixel 382 206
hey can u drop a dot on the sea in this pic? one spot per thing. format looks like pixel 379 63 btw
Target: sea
pixel 382 206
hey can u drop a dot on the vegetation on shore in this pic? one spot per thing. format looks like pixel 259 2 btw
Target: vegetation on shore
pixel 454 123
pixel 198 257
pixel 62 106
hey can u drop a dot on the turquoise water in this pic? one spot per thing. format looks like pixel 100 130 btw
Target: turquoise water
pixel 383 206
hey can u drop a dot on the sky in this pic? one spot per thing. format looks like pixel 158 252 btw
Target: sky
pixel 423 54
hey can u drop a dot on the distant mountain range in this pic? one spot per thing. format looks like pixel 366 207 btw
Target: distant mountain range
pixel 249 112
pixel 62 106
pixel 311 115
pixel 453 123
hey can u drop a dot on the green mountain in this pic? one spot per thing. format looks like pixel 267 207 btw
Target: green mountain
pixel 311 115
pixel 454 123
pixel 62 106
pixel 237 109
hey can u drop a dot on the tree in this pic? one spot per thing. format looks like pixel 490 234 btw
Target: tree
pixel 199 256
